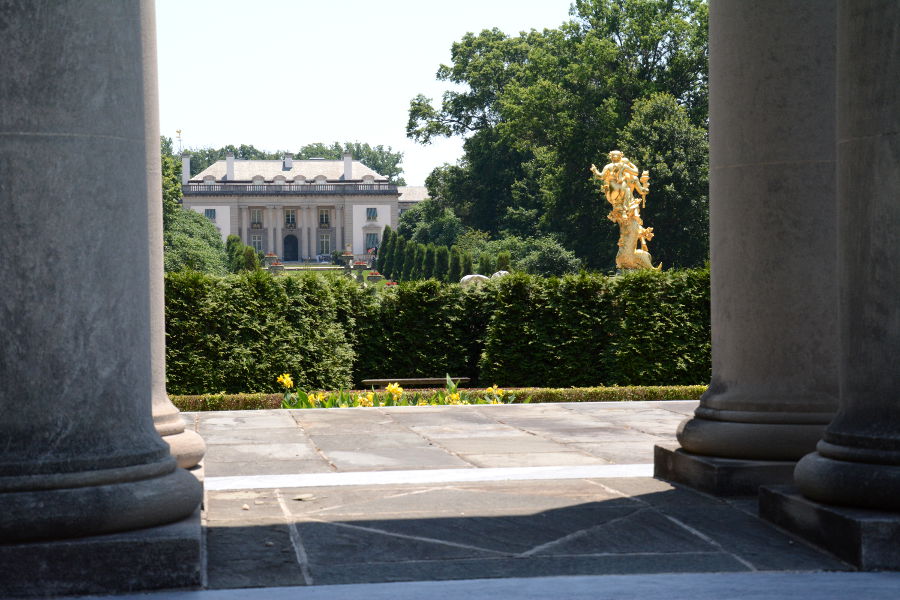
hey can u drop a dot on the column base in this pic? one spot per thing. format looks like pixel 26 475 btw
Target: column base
pixel 846 483
pixel 187 447
pixel 868 539
pixel 168 556
pixel 765 440
pixel 719 476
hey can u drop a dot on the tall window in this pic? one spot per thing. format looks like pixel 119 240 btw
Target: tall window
pixel 256 242
pixel 210 213
pixel 324 243
pixel 324 219
pixel 256 216
pixel 290 217
pixel 371 240
pixel 371 214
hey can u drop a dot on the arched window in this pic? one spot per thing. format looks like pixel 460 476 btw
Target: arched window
pixel 321 179
pixel 368 179
pixel 209 180
pixel 258 180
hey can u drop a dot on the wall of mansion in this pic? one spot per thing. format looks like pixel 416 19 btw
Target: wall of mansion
pixel 300 228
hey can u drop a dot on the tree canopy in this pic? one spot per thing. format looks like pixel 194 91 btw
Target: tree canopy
pixel 538 108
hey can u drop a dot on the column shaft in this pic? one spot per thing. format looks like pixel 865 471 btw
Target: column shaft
pixel 78 451
pixel 772 232
pixel 858 459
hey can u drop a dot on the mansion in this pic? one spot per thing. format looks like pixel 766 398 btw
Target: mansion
pixel 297 209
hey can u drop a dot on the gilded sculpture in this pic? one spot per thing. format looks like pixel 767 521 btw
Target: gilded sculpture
pixel 621 184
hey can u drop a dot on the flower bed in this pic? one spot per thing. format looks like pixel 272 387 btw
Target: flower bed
pixel 207 402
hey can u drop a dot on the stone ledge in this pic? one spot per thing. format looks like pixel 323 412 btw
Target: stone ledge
pixel 719 476
pixel 868 539
pixel 168 556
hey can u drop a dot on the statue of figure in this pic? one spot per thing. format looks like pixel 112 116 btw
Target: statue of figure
pixel 619 182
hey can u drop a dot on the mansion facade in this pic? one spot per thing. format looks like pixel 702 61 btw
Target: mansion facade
pixel 296 209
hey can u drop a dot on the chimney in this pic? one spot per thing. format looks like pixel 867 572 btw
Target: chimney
pixel 348 166
pixel 287 162
pixel 229 166
pixel 185 168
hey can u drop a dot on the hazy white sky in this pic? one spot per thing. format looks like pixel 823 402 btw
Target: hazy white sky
pixel 279 74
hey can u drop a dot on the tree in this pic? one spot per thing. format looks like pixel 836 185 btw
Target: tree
pixel 485 264
pixel 661 138
pixel 441 263
pixel 409 260
pixel 455 269
pixel 467 264
pixel 191 241
pixel 503 261
pixel 548 258
pixel 385 249
pixel 538 108
pixel 428 265
pixel 418 270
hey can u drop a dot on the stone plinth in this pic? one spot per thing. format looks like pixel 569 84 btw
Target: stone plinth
pixel 869 539
pixel 105 564
pixel 719 476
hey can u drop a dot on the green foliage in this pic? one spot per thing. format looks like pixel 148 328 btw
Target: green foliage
pixel 536 109
pixel 455 270
pixel 428 264
pixel 429 223
pixel 467 267
pixel 409 260
pixel 661 138
pixel 384 251
pixel 547 257
pixel 239 333
pixel 191 241
pixel 486 264
pixel 503 261
pixel 441 263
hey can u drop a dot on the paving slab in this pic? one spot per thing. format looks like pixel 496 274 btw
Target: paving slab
pixel 538 459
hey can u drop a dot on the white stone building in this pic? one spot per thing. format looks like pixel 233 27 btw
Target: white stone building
pixel 298 209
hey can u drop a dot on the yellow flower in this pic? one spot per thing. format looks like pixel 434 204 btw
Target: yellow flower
pixel 453 398
pixel 495 391
pixel 364 399
pixel 422 402
pixel 317 397
pixel 286 380
pixel 394 390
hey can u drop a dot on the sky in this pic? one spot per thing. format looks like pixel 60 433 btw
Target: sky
pixel 280 74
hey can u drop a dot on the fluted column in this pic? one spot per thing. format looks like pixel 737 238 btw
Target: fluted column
pixel 186 446
pixel 857 463
pixel 774 333
pixel 79 454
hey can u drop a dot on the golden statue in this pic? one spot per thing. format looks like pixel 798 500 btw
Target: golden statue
pixel 620 181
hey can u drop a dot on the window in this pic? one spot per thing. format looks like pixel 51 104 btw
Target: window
pixel 256 242
pixel 209 180
pixel 324 243
pixel 210 213
pixel 256 217
pixel 290 217
pixel 324 218
pixel 371 214
pixel 258 180
pixel 371 241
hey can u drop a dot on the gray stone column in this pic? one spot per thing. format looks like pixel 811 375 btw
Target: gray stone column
pixel 79 454
pixel 774 333
pixel 186 446
pixel 858 459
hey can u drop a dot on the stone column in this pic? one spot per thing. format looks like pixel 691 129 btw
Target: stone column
pixel 279 231
pixel 79 453
pixel 858 459
pixel 270 228
pixel 186 446
pixel 772 231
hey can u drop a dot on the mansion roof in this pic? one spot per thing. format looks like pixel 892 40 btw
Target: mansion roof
pixel 246 170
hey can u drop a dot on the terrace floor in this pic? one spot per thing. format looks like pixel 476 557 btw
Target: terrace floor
pixel 502 501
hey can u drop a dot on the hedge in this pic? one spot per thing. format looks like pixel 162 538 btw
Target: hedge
pixel 208 402
pixel 237 333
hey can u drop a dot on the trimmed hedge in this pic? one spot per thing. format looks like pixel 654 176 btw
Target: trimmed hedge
pixel 237 333
pixel 207 402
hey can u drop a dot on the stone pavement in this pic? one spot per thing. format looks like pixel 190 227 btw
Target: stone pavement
pixel 520 501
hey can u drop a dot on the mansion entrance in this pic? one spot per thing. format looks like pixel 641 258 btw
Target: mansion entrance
pixel 290 248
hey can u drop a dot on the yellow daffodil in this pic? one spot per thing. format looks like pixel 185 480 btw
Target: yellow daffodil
pixel 394 390
pixel 422 402
pixel 317 397
pixel 453 398
pixel 364 399
pixel 286 380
